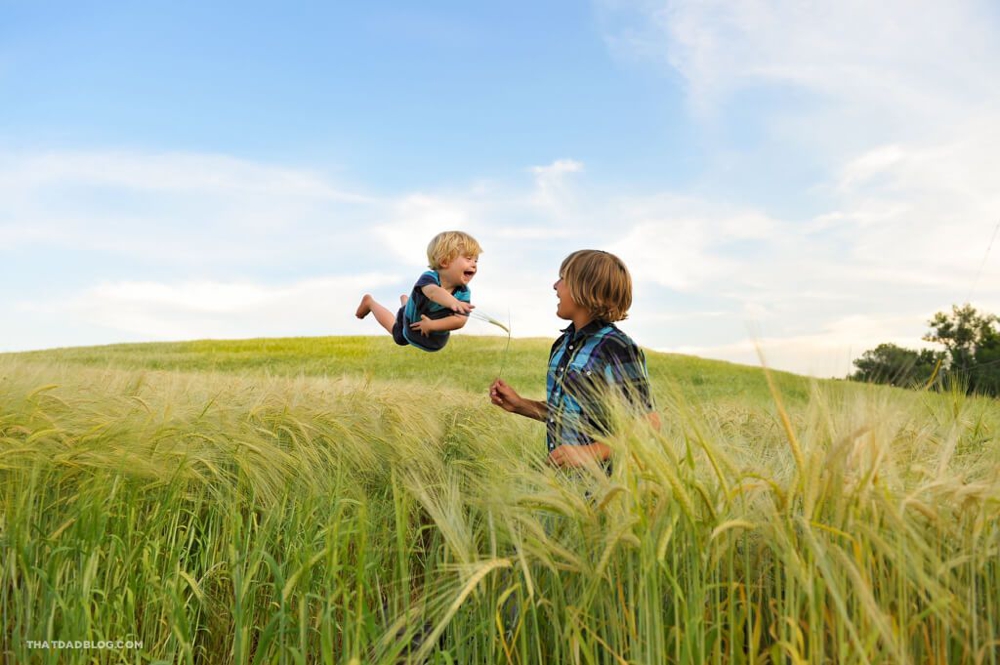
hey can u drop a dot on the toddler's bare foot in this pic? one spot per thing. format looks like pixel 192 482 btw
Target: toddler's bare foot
pixel 365 308
pixel 403 300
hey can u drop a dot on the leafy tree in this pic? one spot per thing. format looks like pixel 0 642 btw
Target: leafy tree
pixel 897 366
pixel 973 347
pixel 985 375
pixel 971 356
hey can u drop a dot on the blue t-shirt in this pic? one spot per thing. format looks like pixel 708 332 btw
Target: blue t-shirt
pixel 419 304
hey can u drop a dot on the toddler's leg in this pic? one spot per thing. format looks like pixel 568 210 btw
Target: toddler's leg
pixel 385 318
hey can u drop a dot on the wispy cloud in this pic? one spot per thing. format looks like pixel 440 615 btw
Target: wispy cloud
pixel 890 105
pixel 681 242
pixel 553 186
pixel 171 209
pixel 185 309
pixel 895 59
pixel 911 202
pixel 153 248
pixel 171 172
pixel 295 259
pixel 827 351
pixel 416 218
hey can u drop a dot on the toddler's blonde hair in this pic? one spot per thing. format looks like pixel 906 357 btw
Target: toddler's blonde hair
pixel 448 245
pixel 599 282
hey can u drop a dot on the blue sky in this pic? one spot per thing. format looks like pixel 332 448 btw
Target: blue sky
pixel 395 97
pixel 809 178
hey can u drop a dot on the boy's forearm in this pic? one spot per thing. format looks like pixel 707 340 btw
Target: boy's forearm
pixel 599 451
pixel 533 409
pixel 576 456
pixel 448 323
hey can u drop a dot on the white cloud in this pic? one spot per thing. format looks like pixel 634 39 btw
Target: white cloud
pixel 891 105
pixel 190 209
pixel 498 215
pixel 680 242
pixel 529 233
pixel 197 309
pixel 174 171
pixel 828 352
pixel 417 218
pixel 553 187
pixel 922 214
pixel 912 58
pixel 151 249
pixel 672 253
pixel 557 168
pixel 258 264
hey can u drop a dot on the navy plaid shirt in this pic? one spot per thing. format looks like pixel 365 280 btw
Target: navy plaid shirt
pixel 583 366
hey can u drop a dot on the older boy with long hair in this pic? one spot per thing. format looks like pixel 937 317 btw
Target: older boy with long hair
pixel 591 362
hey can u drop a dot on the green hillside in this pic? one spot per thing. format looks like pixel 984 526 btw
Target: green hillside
pixel 467 362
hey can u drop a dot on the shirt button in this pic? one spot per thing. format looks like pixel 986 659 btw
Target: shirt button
pixel 570 347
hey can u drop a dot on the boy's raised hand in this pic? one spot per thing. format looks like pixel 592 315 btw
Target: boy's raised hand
pixel 504 396
pixel 507 399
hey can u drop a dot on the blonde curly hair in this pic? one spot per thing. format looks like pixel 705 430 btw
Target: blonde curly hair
pixel 447 245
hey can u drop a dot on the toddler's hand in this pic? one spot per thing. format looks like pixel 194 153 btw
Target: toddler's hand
pixel 423 325
pixel 460 307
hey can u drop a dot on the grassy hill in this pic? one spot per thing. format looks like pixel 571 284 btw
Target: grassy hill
pixel 468 362
pixel 344 500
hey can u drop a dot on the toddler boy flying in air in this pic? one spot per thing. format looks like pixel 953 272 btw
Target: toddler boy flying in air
pixel 440 300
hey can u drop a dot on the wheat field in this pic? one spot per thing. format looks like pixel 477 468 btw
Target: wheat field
pixel 337 500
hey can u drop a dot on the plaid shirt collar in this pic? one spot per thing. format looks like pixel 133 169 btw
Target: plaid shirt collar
pixel 589 329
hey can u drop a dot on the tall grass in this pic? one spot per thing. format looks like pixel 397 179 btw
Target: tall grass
pixel 242 518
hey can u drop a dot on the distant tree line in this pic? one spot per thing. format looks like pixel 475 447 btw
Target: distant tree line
pixel 970 360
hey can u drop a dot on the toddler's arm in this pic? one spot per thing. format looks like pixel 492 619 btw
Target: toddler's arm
pixel 448 323
pixel 442 297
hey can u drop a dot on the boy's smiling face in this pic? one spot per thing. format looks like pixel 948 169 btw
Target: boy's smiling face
pixel 460 270
pixel 567 308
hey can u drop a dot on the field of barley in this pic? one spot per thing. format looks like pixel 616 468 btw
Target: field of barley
pixel 344 500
